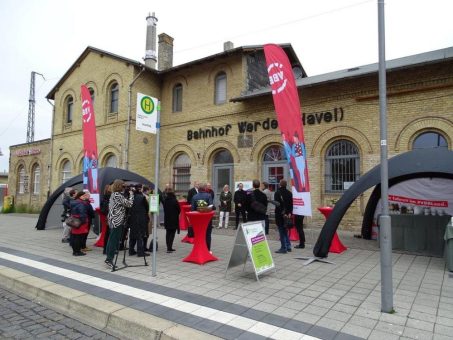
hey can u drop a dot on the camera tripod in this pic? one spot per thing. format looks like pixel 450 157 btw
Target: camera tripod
pixel 123 240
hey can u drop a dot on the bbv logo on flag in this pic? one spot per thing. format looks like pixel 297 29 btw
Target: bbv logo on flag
pixel 276 75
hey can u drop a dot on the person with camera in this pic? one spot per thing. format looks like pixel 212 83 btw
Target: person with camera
pixel 283 211
pixel 138 222
pixel 81 209
pixel 117 218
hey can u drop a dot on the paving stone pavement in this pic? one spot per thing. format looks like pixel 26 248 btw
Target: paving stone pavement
pixel 21 318
pixel 340 301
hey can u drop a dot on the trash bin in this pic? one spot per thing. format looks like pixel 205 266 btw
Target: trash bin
pixel 448 237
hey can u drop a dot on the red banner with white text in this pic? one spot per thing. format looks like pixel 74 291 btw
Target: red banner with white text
pixel 287 107
pixel 90 149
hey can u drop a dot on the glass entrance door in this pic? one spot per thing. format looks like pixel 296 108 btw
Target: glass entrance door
pixel 223 174
pixel 273 173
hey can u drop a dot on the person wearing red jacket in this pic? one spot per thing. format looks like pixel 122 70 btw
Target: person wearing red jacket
pixel 82 209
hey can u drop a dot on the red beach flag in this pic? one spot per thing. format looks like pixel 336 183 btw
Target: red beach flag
pixel 287 108
pixel 90 149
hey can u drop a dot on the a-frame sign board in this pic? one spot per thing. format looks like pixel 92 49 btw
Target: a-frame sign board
pixel 250 241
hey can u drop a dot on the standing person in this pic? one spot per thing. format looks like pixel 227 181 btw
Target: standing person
pixel 299 223
pixel 117 217
pixel 285 209
pixel 210 191
pixel 256 203
pixel 82 209
pixel 171 218
pixel 69 195
pixel 192 192
pixel 240 199
pixel 204 196
pixel 103 212
pixel 225 205
pixel 270 197
pixel 146 192
pixel 138 222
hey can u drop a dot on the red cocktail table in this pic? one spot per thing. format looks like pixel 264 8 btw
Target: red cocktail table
pixel 200 253
pixel 335 246
pixel 183 223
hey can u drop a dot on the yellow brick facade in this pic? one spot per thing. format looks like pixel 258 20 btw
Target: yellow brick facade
pixel 419 99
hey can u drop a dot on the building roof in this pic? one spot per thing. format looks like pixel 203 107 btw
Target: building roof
pixel 287 47
pixel 355 72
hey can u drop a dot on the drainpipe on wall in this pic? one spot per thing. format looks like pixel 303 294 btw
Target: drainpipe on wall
pixel 128 126
pixel 49 166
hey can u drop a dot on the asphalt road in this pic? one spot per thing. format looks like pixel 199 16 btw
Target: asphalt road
pixel 23 319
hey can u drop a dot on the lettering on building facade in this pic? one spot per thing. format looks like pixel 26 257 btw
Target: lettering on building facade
pixel 335 115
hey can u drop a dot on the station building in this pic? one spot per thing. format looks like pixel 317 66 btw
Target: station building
pixel 218 122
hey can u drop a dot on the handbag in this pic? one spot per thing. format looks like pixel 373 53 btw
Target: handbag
pixel 288 222
pixel 73 222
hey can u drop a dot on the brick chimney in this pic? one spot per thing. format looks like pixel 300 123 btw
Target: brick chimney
pixel 228 45
pixel 165 56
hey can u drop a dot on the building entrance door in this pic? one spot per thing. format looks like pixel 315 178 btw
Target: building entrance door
pixel 223 174
pixel 273 173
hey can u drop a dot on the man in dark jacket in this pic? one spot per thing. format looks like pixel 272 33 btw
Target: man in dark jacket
pixel 285 209
pixel 138 223
pixel 203 196
pixel 240 200
pixel 192 192
pixel 256 203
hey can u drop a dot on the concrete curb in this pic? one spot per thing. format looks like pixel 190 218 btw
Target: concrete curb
pixel 110 317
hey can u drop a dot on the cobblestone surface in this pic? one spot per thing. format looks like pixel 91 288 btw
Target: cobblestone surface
pixel 23 319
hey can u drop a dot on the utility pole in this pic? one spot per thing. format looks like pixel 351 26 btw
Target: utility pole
pixel 31 109
pixel 385 225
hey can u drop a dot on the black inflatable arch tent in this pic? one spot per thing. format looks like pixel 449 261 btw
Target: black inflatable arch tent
pixel 105 176
pixel 413 164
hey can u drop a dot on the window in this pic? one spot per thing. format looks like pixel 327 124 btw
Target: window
pixel 111 161
pixel 223 157
pixel 66 171
pixel 342 166
pixel 21 177
pixel 91 94
pixel 429 140
pixel 69 109
pixel 36 179
pixel 181 174
pixel 220 88
pixel 114 97
pixel 177 98
pixel 275 166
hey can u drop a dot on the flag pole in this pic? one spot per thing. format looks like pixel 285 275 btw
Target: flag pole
pixel 156 188
pixel 385 227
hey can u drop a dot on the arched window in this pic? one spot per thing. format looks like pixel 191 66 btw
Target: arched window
pixel 177 98
pixel 114 97
pixel 111 161
pixel 275 166
pixel 69 109
pixel 21 180
pixel 66 171
pixel 220 94
pixel 36 173
pixel 181 174
pixel 223 157
pixel 429 140
pixel 342 165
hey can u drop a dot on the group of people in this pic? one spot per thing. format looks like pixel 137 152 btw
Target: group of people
pixel 125 210
pixel 254 205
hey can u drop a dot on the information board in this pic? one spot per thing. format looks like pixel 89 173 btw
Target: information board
pixel 251 241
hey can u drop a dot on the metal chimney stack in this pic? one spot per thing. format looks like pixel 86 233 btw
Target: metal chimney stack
pixel 151 53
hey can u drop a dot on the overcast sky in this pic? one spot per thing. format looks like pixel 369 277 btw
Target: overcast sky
pixel 47 36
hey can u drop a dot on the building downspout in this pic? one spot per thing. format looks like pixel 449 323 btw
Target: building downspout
pixel 49 166
pixel 128 126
